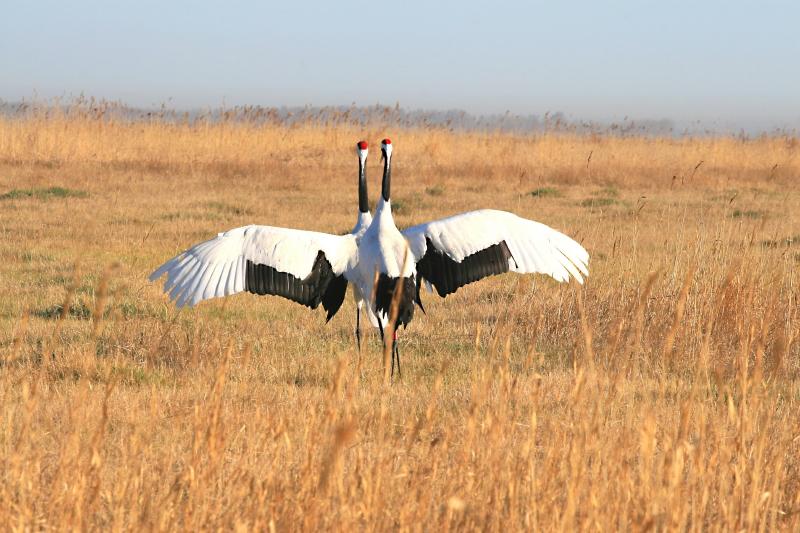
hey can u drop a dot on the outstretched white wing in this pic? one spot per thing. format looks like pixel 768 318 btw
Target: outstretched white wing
pixel 457 250
pixel 303 266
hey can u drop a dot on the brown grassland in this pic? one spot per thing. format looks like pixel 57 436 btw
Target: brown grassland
pixel 663 394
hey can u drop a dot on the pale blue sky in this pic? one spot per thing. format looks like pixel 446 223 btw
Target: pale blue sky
pixel 733 62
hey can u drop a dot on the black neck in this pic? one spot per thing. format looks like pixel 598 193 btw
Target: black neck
pixel 387 178
pixel 363 199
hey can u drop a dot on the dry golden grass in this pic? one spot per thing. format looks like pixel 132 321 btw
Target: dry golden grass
pixel 664 394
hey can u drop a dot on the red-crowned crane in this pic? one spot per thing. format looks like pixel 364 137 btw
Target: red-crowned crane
pixel 451 252
pixel 362 223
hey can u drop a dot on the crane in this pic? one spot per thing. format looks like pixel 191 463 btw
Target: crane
pixel 313 268
pixel 362 223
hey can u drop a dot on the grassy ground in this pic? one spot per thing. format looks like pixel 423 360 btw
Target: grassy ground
pixel 663 394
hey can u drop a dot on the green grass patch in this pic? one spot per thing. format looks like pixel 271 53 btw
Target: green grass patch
pixel 43 194
pixel 177 215
pixel 78 310
pixel 599 202
pixel 409 204
pixel 545 192
pixel 607 192
pixel 32 256
pixel 191 215
pixel 399 206
pixel 406 206
pixel 436 190
pixel 742 213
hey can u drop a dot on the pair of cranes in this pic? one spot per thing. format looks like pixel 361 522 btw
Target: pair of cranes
pixel 313 268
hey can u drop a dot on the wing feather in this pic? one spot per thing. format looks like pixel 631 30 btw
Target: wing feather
pixel 177 268
pixel 183 280
pixel 212 283
pixel 192 285
pixel 457 250
pixel 172 268
pixel 569 266
pixel 223 279
pixel 296 264
pixel 238 285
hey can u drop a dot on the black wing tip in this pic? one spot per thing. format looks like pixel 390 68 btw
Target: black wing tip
pixel 321 286
pixel 334 296
pixel 448 275
pixel 418 298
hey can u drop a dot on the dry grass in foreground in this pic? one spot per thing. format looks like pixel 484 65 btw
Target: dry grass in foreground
pixel 664 394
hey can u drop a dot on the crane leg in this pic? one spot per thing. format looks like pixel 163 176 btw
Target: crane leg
pixel 358 328
pixel 396 356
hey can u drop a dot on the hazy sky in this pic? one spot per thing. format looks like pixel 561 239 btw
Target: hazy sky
pixel 729 61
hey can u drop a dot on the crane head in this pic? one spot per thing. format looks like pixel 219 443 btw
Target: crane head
pixel 362 148
pixel 386 148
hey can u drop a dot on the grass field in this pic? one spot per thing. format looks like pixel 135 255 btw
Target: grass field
pixel 664 394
